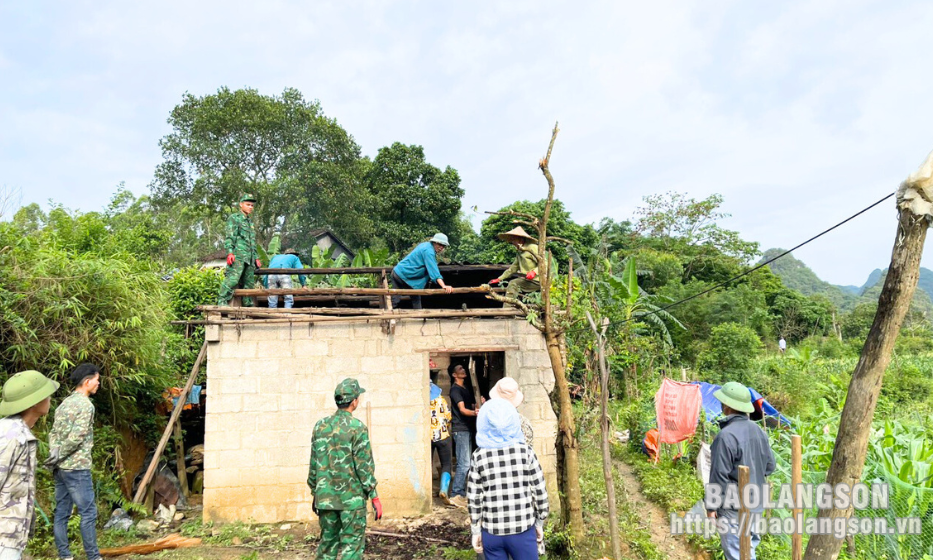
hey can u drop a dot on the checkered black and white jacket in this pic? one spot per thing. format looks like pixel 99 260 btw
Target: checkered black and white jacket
pixel 506 491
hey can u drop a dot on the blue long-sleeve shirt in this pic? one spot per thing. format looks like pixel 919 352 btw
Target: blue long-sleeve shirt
pixel 288 261
pixel 419 266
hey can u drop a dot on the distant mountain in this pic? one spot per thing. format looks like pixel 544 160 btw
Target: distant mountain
pixel 877 276
pixel 798 276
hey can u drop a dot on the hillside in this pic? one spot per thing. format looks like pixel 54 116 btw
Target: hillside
pixel 877 276
pixel 798 276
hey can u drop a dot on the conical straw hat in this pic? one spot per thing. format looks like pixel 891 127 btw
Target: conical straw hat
pixel 517 233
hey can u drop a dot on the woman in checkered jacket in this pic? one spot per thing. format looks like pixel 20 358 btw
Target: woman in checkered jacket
pixel 506 492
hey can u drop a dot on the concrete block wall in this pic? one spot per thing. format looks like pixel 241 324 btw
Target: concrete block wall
pixel 269 384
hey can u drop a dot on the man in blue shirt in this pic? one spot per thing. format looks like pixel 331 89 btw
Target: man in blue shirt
pixel 419 268
pixel 288 259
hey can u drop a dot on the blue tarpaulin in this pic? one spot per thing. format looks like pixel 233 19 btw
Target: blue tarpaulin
pixel 713 407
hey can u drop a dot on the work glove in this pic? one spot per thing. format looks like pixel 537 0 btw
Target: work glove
pixel 52 462
pixel 377 505
pixel 230 259
pixel 531 275
pixel 494 281
pixel 478 544
pixel 539 534
pixel 316 511
pixel 258 263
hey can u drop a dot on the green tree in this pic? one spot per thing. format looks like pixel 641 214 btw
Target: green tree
pixel 413 199
pixel 690 223
pixel 305 169
pixel 729 353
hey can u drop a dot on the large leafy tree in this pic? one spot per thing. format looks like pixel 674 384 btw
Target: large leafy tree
pixel 413 199
pixel 675 223
pixel 304 168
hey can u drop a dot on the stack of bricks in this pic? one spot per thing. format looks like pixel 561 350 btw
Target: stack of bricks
pixel 268 384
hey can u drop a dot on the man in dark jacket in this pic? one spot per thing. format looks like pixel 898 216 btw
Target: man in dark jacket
pixel 740 442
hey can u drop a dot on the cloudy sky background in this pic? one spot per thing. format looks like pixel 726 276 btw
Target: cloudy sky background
pixel 799 113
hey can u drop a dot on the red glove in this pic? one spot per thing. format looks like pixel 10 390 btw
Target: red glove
pixel 377 505
pixel 258 263
pixel 230 259
pixel 493 282
pixel 531 275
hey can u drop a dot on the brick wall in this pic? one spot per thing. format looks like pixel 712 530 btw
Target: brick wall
pixel 269 384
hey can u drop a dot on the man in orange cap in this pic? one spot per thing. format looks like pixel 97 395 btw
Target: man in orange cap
pixel 525 265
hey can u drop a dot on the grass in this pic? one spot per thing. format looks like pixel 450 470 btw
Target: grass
pixel 635 537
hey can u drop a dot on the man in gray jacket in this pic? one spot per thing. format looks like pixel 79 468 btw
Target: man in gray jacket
pixel 740 443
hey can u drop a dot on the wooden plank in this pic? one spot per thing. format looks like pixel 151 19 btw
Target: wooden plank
pixel 796 480
pixel 378 269
pixel 471 369
pixel 253 292
pixel 180 461
pixel 176 412
pixel 365 318
pixel 745 537
pixel 463 350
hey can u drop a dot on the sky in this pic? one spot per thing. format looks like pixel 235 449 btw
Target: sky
pixel 798 113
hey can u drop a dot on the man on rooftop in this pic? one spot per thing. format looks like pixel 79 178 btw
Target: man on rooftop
pixel 242 255
pixel 288 259
pixel 525 267
pixel 418 268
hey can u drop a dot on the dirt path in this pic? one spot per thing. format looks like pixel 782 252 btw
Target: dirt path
pixel 657 523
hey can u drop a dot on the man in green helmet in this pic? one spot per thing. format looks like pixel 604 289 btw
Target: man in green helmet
pixel 739 442
pixel 342 477
pixel 26 398
pixel 242 255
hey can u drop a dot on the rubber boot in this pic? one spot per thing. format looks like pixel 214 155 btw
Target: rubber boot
pixel 445 487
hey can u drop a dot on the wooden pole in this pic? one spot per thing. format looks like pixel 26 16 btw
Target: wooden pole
pixel 376 269
pixel 180 451
pixel 858 412
pixel 253 292
pixel 365 318
pixel 796 480
pixel 745 537
pixel 471 368
pixel 604 435
pixel 176 412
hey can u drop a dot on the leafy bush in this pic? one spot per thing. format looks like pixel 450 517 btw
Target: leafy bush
pixel 729 353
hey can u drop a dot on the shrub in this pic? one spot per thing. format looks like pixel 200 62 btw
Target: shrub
pixel 729 353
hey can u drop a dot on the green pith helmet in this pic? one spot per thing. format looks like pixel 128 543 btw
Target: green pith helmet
pixel 348 390
pixel 24 390
pixel 736 396
pixel 248 198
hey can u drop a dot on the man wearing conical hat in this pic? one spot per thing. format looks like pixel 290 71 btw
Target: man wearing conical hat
pixel 525 266
pixel 26 398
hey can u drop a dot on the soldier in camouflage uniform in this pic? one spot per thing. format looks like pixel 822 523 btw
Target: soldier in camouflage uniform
pixel 26 398
pixel 70 445
pixel 242 255
pixel 341 477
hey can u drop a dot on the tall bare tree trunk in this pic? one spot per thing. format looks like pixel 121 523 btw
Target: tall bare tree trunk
pixel 571 501
pixel 913 202
pixel 604 436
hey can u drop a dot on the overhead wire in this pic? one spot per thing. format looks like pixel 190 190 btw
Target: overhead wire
pixel 749 271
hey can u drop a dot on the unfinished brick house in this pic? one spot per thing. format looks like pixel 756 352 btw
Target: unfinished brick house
pixel 271 376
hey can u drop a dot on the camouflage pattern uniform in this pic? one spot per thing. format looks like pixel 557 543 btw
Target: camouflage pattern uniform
pixel 241 241
pixel 342 479
pixel 73 433
pixel 71 442
pixel 17 482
